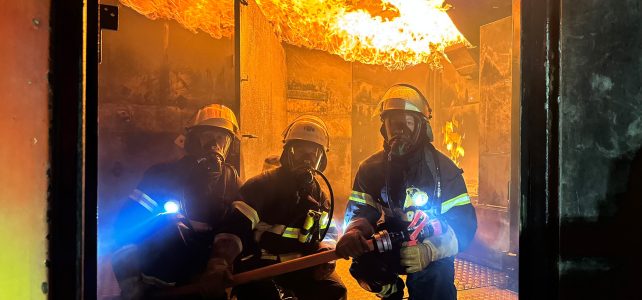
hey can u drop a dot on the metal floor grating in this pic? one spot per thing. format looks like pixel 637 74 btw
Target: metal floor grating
pixel 469 275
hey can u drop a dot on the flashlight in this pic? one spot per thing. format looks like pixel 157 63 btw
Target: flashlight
pixel 171 207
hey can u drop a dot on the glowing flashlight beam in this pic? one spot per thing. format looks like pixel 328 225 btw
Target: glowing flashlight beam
pixel 171 207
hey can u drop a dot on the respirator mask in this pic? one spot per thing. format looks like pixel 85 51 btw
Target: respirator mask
pixel 402 130
pixel 209 145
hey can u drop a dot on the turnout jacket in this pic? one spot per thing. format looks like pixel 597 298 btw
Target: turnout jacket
pixel 276 221
pixel 426 180
pixel 171 248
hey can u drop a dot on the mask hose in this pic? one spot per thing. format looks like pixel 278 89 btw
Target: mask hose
pixel 331 212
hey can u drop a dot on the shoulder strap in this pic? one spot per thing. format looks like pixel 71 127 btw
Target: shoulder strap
pixel 432 160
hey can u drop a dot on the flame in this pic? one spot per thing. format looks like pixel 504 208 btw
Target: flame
pixel 453 141
pixel 393 33
pixel 211 16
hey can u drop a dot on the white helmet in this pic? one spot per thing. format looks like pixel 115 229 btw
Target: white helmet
pixel 310 129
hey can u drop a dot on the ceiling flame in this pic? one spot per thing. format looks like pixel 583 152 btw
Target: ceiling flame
pixel 453 141
pixel 214 17
pixel 393 33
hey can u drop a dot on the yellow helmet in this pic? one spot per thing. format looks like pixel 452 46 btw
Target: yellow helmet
pixel 308 128
pixel 216 115
pixel 406 97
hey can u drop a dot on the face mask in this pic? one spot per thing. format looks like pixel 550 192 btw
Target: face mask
pixel 211 146
pixel 402 131
pixel 305 155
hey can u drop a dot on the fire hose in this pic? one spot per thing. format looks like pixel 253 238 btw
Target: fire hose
pixel 382 241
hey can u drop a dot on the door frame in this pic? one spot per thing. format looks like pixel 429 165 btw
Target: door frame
pixel 72 200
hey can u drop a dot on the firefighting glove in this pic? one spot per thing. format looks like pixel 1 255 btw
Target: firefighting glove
pixel 226 246
pixel 216 278
pixel 418 257
pixel 352 244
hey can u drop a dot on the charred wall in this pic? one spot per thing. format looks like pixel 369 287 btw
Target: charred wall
pixel 600 149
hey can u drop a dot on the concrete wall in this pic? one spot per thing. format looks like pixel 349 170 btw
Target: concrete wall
pixel 600 134
pixel 24 154
pixel 263 104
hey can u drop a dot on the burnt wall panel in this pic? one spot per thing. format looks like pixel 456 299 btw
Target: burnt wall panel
pixel 601 113
pixel 263 105
pixel 24 154
pixel 321 84
pixel 600 149
pixel 153 77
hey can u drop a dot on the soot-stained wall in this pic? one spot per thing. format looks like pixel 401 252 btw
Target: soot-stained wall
pixel 600 137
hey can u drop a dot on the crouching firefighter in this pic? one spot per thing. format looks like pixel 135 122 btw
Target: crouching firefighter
pixel 166 228
pixel 284 213
pixel 422 197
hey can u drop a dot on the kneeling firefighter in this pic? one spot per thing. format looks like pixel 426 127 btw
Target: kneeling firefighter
pixel 407 181
pixel 165 231
pixel 284 213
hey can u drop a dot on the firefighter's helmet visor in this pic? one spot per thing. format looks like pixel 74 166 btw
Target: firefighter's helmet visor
pixel 214 140
pixel 305 154
pixel 400 122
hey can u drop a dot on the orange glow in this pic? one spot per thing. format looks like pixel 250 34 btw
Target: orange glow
pixel 393 33
pixel 214 17
pixel 453 141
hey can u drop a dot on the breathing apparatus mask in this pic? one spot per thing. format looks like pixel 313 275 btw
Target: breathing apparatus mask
pixel 402 131
pixel 209 145
pixel 303 158
pixel 210 134
pixel 405 116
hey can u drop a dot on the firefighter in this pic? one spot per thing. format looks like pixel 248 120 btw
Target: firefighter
pixel 166 229
pixel 408 176
pixel 284 213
